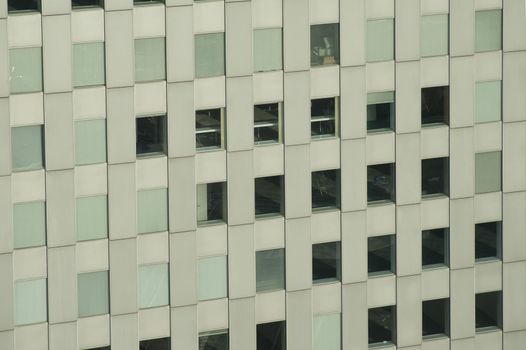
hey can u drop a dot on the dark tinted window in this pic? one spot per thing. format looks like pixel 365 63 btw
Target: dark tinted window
pixel 266 123
pixel 435 176
pixel 382 325
pixel 435 317
pixel 23 5
pixel 323 116
pixel 213 341
pixel 381 182
pixel 270 270
pixel 380 111
pixel 211 202
pixel 381 254
pixel 271 336
pixel 87 3
pixel 488 240
pixel 435 247
pixel 151 135
pixel 324 44
pixel 325 189
pixel 155 344
pixel 325 262
pixel 208 129
pixel 435 105
pixel 488 310
pixel 269 195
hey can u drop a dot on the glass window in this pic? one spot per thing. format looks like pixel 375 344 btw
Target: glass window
pixel 208 126
pixel 266 123
pixel 324 44
pixel 30 301
pixel 381 111
pixel 213 280
pixel 101 348
pixel 149 59
pixel 151 135
pixel 435 105
pixel 267 49
pixel 382 322
pixel 488 310
pixel 25 69
pixel 488 240
pixel 155 344
pixel 209 55
pixel 323 117
pixel 435 317
pixel 88 64
pixel 380 40
pixel 435 176
pixel 152 211
pixel 153 285
pixel 216 340
pixel 325 189
pixel 435 247
pixel 90 141
pixel 326 332
pixel 326 262
pixel 87 3
pixel 23 5
pixel 488 30
pixel 488 101
pixel 29 224
pixel 211 202
pixel 434 36
pixel 271 336
pixel 93 293
pixel 487 172
pixel 269 195
pixel 270 270
pixel 381 182
pixel 92 217
pixel 381 255
pixel 27 147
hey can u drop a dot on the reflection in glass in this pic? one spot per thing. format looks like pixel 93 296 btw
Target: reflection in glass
pixel 155 344
pixel 211 202
pixel 488 172
pixel 213 278
pixel 488 101
pixel 269 195
pixel 23 5
pixel 325 189
pixel 435 105
pixel 324 44
pixel 150 59
pixel 208 129
pixel 434 35
pixel 380 111
pixel 271 336
pixel 326 331
pixel 435 247
pixel 266 123
pixel 382 325
pixel 216 340
pixel 151 135
pixel 488 30
pixel 381 254
pixel 380 40
pixel 435 176
pixel 381 182
pixel 488 240
pixel 323 117
pixel 325 262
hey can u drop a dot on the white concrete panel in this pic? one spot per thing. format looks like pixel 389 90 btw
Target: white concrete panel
pixel 210 167
pixel 114 5
pixel 92 18
pixel 461 91
pixel 24 30
pixel 407 30
pixel 435 213
pixel 434 71
pixel 488 66
pixel 514 157
pixel 238 40
pixel 267 86
pixel 380 9
pixel 463 344
pixel 489 340
pixel 6 216
pixel 209 92
pixel 151 173
pixel 429 7
pixel 91 180
pixel 408 106
pixel 92 256
pixel 354 312
pixel 59 130
pixel 56 7
pixel 267 13
pixel 462 27
pixel 119 48
pixel 240 188
pixel 63 336
pixel 152 248
pixel 513 87
pixel 514 340
pixel 408 311
pixel 298 259
pixel 326 298
pixel 241 262
pixel 89 103
pixel 408 240
pixel 514 288
pixel 183 269
pixel 380 147
pixel 179 44
pixel 28 186
pixel 62 287
pixel 148 21
pixel 353 103
pixel 32 337
pixel 353 176
pixel 26 109
pixel 124 332
pixel 325 154
pixel 122 201
pixel 488 207
pixel 239 126
pixel 242 319
pixel 462 303
pixel 7 338
pixel 123 276
pixel 30 263
pixel 268 160
pixel 150 98
pixel 212 240
pixel 381 219
pixel 380 76
pixel 60 208
pixel 488 276
pixel 325 226
pixel 56 53
pixel 514 29
pixel 297 128
pixel 270 307
pixel 381 291
pixel 299 320
pixel 461 233
pixel 353 28
pixel 154 323
pixel 488 137
pixel 435 344
pixel 513 238
pixel 324 11
pixel 488 4
pixel 324 81
pixel 461 163
pixel 354 248
pixel 209 17
pixel 184 327
pixel 93 332
pixel 269 233
pixel 298 184
pixel 181 120
pixel 435 283
pixel 408 169
pixel 120 126
pixel 212 315
pixel 296 35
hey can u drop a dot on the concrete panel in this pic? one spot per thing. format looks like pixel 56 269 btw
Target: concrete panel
pixel 150 98
pixel 62 287
pixel 267 86
pixel 408 169
pixel 353 175
pixel 435 283
pixel 380 76
pixel 408 240
pixel 514 303
pixel 183 270
pixel 60 208
pixel 120 66
pixel 269 233
pixel 267 14
pixel 461 163
pixel 297 182
pixel 93 332
pixel 154 323
pixel 209 17
pixel 240 187
pixel 7 338
pixel 462 303
pixel 298 260
pixel 181 119
pixel 239 127
pixel 59 131
pixel 353 28
pixel 461 91
pixel 28 186
pixel 514 26
pixel 241 262
pixel 488 66
pixel 184 327
pixel 488 276
pixel 381 219
pixel 514 157
pixel 179 44
pixel 380 9
pixel 122 201
pixel 56 53
pixel 63 336
pixel 461 233
pixel 181 193
pixel 381 291
pixel 270 307
pixel 209 92
pixel 212 240
pixel 120 125
pixel 354 313
pixel 325 226
pixel 124 332
pixel 514 226
pixel 408 106
pixel 434 71
pixel 123 276
pixel 296 35
pixel 113 5
pixel 514 340
pixel 32 337
pixel 213 314
pixel 513 87
pixel 92 256
pixel 91 180
pixel 408 311
pixel 488 137
pixel 353 102
pixel 488 207
pixel 462 27
pixel 242 319
pixel 148 21
pixel 324 81
pixel 325 154
pixel 26 109
pixel 6 216
pixel 268 160
pixel 25 30
pixel 489 340
pixel 153 248
pixel 5 139
pixel 297 128
pixel 434 141
pixel 380 148
pixel 6 292
pixel 92 18
pixel 30 263
pixel 407 30
pixel 4 55
pixel 354 247
pixel 238 22
pixel 89 103
pixel 151 173
pixel 299 320
pixel 435 213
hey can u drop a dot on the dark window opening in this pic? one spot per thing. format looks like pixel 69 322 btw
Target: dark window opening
pixel 208 129
pixel 381 254
pixel 326 262
pixel 488 310
pixel 323 117
pixel 269 195
pixel 325 189
pixel 324 44
pixel 435 247
pixel 211 202
pixel 266 123
pixel 380 111
pixel 488 240
pixel 435 105
pixel 151 135
pixel 271 336
pixel 213 340
pixel 435 317
pixel 382 322
pixel 381 182
pixel 155 344
pixel 435 176
pixel 87 3
pixel 23 5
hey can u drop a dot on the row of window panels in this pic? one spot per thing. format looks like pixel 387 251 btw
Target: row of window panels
pixel 150 60
pixel 17 6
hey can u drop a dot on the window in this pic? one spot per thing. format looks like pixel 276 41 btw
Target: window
pixel 153 285
pixel 435 176
pixel 488 101
pixel 29 224
pixel 488 30
pixel 381 182
pixel 92 217
pixel 30 301
pixel 152 211
pixel 435 105
pixel 151 135
pixel 93 293
pixel 381 111
pixel 325 189
pixel 435 317
pixel 487 172
pixel 488 240
pixel 271 336
pixel 381 255
pixel 270 270
pixel 326 332
pixel 27 147
pixel 435 247
pixel 211 202
pixel 266 123
pixel 380 40
pixel 267 49
pixel 382 321
pixel 213 279
pixel 323 117
pixel 149 59
pixel 434 35
pixel 90 141
pixel 326 262
pixel 217 340
pixel 209 55
pixel 25 69
pixel 142 2
pixel 208 127
pixel 87 3
pixel 324 44
pixel 23 5
pixel 488 310
pixel 155 344
pixel 101 348
pixel 269 195
pixel 88 64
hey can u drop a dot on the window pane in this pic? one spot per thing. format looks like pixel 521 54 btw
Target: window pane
pixel 29 224
pixel 151 135
pixel 271 336
pixel 381 254
pixel 93 294
pixel 488 30
pixel 381 182
pixel 434 35
pixel 88 64
pixel 90 141
pixel 30 301
pixel 326 332
pixel 380 40
pixel 488 101
pixel 208 129
pixel 149 59
pixel 86 3
pixel 26 69
pixel 92 218
pixel 325 262
pixel 213 278
pixel 322 116
pixel 435 105
pixel 382 325
pixel 155 344
pixel 153 285
pixel 213 340
pixel 27 147
pixel 211 202
pixel 435 317
pixel 269 195
pixel 488 240
pixel 434 247
pixel 435 176
pixel 380 111
pixel 209 55
pixel 325 189
pixel 152 212
pixel 487 172
pixel 325 44
pixel 267 49
pixel 266 123
pixel 23 5
pixel 270 270
pixel 488 310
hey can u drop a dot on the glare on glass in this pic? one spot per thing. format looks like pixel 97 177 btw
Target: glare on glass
pixel 434 35
pixel 213 278
pixel 488 101
pixel 153 285
pixel 30 301
pixel 488 30
pixel 487 172
pixel 25 73
pixel 326 332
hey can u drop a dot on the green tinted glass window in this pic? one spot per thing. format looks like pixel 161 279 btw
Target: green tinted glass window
pixel 25 69
pixel 153 285
pixel 267 49
pixel 326 332
pixel 434 35
pixel 380 40
pixel 30 301
pixel 149 59
pixel 27 146
pixel 212 277
pixel 29 224
pixel 90 141
pixel 209 55
pixel 487 172
pixel 88 64
pixel 92 217
pixel 152 211
pixel 93 293
pixel 488 101
pixel 488 30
